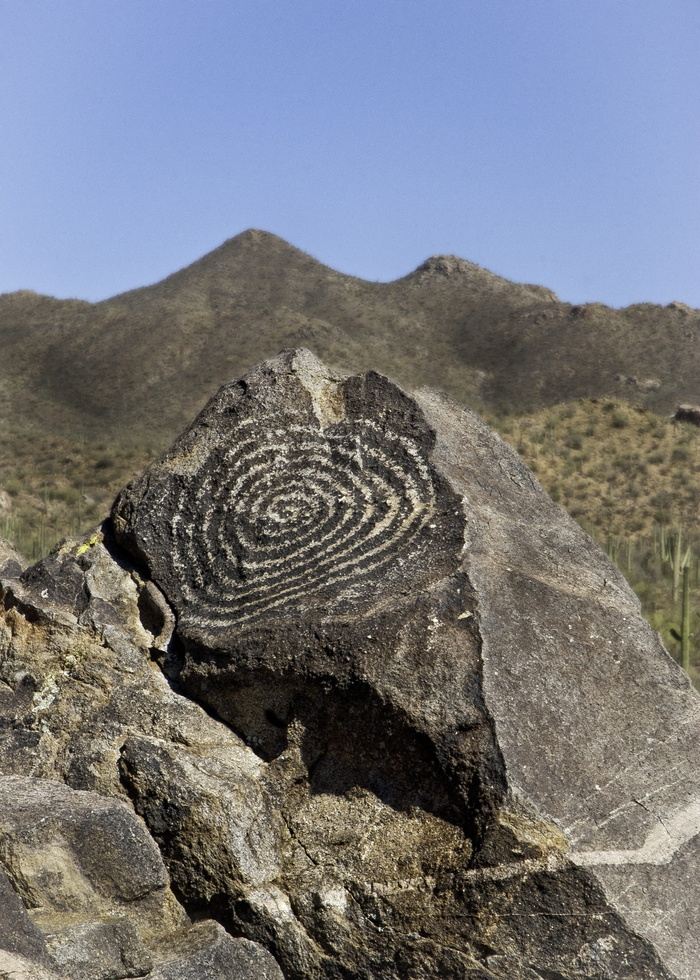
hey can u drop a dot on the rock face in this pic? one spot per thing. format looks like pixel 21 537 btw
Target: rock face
pixel 338 690
pixel 688 413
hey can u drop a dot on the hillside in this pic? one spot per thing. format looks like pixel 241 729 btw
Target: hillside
pixel 152 356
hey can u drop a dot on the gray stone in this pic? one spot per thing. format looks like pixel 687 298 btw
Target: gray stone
pixel 18 933
pixel 90 875
pixel 76 684
pixel 211 809
pixel 207 951
pixel 466 727
pixel 12 563
pixel 89 897
pixel 97 950
pixel 596 724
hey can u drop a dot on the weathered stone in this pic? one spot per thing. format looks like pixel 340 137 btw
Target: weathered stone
pixel 90 898
pixel 207 951
pixel 89 873
pixel 97 950
pixel 591 714
pixel 437 738
pixel 74 687
pixel 464 724
pixel 18 933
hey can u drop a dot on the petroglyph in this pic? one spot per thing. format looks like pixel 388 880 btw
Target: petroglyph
pixel 292 507
pixel 297 512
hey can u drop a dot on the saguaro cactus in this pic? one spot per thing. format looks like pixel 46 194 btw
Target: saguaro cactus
pixel 677 556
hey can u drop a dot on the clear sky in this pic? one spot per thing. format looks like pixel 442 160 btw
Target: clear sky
pixel 551 141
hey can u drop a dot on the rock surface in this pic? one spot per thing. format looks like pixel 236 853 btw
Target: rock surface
pixel 338 676
pixel 688 413
pixel 85 893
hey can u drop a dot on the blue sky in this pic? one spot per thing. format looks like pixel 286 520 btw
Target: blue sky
pixel 552 141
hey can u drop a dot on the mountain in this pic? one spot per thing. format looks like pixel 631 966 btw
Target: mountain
pixel 93 368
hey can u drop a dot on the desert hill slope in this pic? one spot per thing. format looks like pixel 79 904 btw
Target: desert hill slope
pixel 158 352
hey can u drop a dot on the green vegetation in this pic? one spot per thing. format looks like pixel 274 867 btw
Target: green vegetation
pixel 52 487
pixel 616 468
pixel 632 480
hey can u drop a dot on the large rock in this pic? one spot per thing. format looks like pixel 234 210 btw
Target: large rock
pixel 207 952
pixel 91 875
pixel 384 709
pixel 84 892
pixel 466 724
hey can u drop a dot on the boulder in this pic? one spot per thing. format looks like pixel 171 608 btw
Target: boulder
pixel 84 892
pixel 381 708
pixel 207 951
pixel 11 562
pixel 464 721
pixel 90 874
pixel 688 413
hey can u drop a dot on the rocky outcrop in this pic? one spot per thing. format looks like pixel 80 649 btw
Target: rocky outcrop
pixel 85 892
pixel 91 874
pixel 688 413
pixel 450 269
pixel 338 690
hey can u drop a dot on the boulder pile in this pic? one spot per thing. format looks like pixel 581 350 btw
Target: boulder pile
pixel 338 691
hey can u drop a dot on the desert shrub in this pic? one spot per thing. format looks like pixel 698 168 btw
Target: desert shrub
pixel 13 486
pixel 681 479
pixel 69 494
pixel 681 454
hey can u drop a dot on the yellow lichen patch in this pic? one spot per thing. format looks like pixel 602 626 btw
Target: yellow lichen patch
pixel 94 539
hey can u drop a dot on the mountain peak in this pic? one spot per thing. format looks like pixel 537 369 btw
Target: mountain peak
pixel 452 269
pixel 447 266
pixel 255 236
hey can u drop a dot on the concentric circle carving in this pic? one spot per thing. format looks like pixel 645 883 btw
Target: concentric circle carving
pixel 292 515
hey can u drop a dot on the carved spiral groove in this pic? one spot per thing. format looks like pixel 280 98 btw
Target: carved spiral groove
pixel 294 515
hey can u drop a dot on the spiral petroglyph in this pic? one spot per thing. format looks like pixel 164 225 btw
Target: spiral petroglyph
pixel 294 513
pixel 296 493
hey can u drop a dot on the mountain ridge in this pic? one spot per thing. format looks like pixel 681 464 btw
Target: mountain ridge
pixel 149 358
